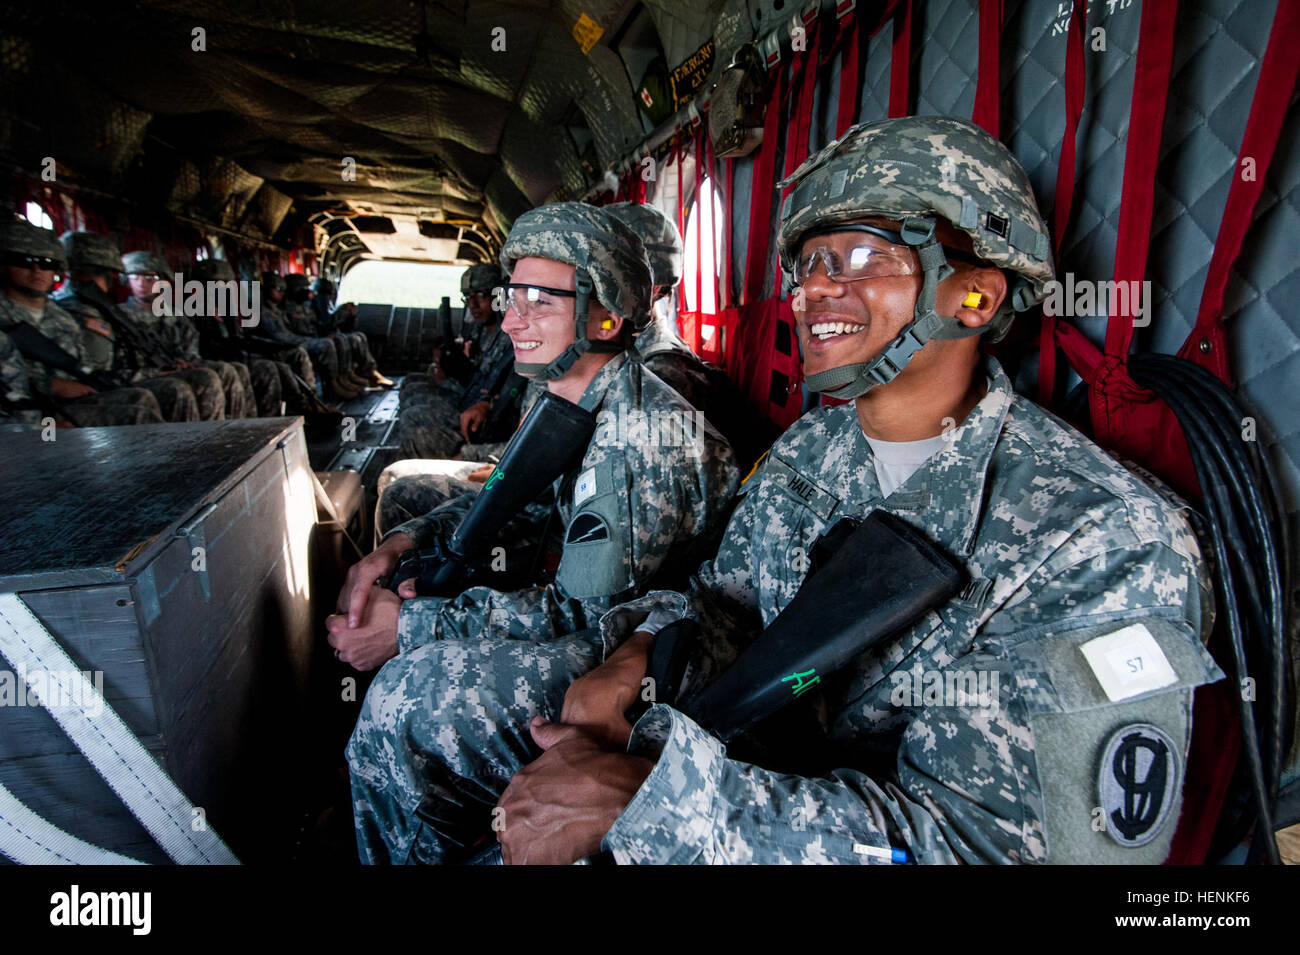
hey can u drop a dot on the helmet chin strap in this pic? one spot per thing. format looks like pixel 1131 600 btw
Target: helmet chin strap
pixel 549 371
pixel 850 381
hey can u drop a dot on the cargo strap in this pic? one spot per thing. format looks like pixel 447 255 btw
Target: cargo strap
pixel 121 760
pixel 987 87
pixel 27 839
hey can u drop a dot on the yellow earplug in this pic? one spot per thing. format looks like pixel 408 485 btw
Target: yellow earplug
pixel 973 300
pixel 607 323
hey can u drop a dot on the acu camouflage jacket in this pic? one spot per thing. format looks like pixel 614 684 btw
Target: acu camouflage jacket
pixel 1046 759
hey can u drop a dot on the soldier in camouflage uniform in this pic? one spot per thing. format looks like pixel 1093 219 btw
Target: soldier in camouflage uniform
pixel 271 383
pixel 703 385
pixel 438 416
pixel 338 324
pixel 631 513
pixel 275 327
pixel 117 346
pixel 143 271
pixel 1083 618
pixel 33 258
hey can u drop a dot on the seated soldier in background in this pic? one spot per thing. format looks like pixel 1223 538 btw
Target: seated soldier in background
pixel 437 416
pixel 59 375
pixel 18 404
pixel 115 344
pixel 1082 620
pixel 661 348
pixel 631 513
pixel 220 339
pixel 144 271
pixel 275 327
pixel 340 324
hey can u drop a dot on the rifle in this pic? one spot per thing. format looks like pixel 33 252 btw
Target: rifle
pixel 551 442
pixel 870 579
pixel 38 347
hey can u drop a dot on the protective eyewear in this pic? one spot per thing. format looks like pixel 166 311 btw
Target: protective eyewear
pixel 848 255
pixel 34 262
pixel 530 299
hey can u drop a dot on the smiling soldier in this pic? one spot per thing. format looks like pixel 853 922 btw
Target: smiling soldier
pixel 632 513
pixel 909 239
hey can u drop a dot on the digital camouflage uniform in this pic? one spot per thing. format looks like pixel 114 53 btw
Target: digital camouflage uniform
pixel 18 404
pixel 428 423
pixel 118 406
pixel 632 512
pixel 271 383
pixel 178 335
pixel 238 401
pixel 116 346
pixel 274 326
pixel 1081 625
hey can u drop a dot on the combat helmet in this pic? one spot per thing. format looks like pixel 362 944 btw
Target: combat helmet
pixel 138 263
pixel 659 235
pixel 91 251
pixel 20 237
pixel 273 281
pixel 918 170
pixel 610 266
pixel 484 276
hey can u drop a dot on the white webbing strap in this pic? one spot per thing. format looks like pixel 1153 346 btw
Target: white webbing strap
pixel 129 769
pixel 28 839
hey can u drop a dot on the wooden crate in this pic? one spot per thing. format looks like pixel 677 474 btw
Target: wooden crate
pixel 174 559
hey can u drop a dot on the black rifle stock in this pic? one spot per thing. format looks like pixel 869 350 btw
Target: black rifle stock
pixel 551 441
pixel 881 578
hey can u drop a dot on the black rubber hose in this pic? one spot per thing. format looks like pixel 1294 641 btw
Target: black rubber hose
pixel 1228 482
pixel 1264 580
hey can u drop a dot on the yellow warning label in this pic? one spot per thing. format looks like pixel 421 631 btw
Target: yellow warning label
pixel 587 31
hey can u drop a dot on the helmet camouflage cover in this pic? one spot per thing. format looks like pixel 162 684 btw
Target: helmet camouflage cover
pixel 296 282
pixel 273 281
pixel 610 265
pixel 659 235
pixel 89 250
pixel 22 238
pixel 589 239
pixel 135 263
pixel 933 166
pixel 919 170
pixel 482 277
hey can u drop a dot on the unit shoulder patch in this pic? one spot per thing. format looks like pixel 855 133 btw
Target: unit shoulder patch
pixel 1139 776
pixel 587 528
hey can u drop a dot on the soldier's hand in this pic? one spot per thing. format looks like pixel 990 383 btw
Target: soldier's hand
pixel 472 418
pixel 598 700
pixel 66 388
pixel 359 586
pixel 373 644
pixel 482 474
pixel 557 809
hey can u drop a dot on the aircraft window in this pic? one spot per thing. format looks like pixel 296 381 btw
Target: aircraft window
pixel 703 243
pixel 408 284
pixel 38 216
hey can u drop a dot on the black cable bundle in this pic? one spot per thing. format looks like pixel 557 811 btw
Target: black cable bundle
pixel 1247 532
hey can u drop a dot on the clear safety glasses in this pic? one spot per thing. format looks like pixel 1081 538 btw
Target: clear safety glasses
pixel 528 300
pixel 854 252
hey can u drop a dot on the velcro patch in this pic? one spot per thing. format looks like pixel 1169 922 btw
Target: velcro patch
pixel 584 487
pixel 587 528
pixel 819 501
pixel 1128 662
pixel 1138 777
pixel 100 326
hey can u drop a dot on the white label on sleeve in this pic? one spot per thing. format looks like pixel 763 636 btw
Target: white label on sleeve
pixel 585 487
pixel 1128 662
